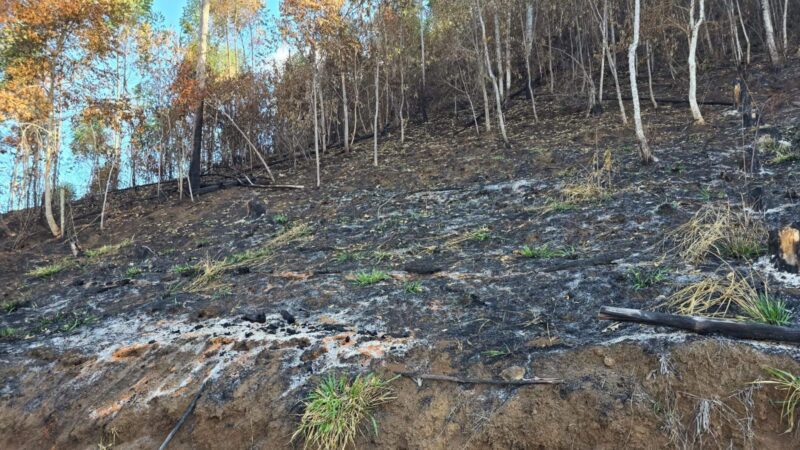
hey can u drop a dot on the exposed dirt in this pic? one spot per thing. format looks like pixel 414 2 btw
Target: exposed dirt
pixel 113 348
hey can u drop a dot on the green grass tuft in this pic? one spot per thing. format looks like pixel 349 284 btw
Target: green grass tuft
pixel 413 287
pixel 373 276
pixel 336 410
pixel 643 279
pixel 133 272
pixel 769 310
pixel 7 332
pixel 546 252
pixel 48 270
pixel 789 383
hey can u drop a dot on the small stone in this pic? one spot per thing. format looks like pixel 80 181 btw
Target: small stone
pixel 609 361
pixel 255 318
pixel 513 373
pixel 287 316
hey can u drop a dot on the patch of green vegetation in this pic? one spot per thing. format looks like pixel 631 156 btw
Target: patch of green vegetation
pixel 280 219
pixel 49 270
pixel 7 332
pixel 381 256
pixel 248 255
pixel 107 249
pixel 496 353
pixel 643 279
pixel 184 270
pixel 768 309
pixel 789 383
pixel 336 410
pixel 742 248
pixel 708 194
pixel 64 322
pixel 12 305
pixel 366 278
pixel 200 243
pixel 546 252
pixel 678 168
pixel 345 256
pixel 412 287
pixel 555 205
pixel 481 234
pixel 133 272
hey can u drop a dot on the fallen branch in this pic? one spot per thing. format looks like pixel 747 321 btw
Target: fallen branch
pixel 702 325
pixel 185 415
pixel 418 377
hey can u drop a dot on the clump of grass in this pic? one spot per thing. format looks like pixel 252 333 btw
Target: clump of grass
pixel 381 256
pixel 789 383
pixel 7 332
pixel 133 272
pixel 337 409
pixel 345 256
pixel 722 231
pixel 643 279
pixel 49 270
pixel 780 152
pixel 596 183
pixel 209 270
pixel 545 251
pixel 714 296
pixel 496 353
pixel 768 309
pixel 412 287
pixel 367 278
pixel 477 235
pixel 555 205
pixel 184 270
pixel 280 219
pixel 107 249
pixel 13 304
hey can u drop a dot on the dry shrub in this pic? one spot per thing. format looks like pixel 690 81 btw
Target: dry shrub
pixel 596 184
pixel 722 231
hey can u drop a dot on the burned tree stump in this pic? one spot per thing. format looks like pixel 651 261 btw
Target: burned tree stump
pixel 784 248
pixel 256 208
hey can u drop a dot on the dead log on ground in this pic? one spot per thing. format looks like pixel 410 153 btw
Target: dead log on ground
pixel 702 325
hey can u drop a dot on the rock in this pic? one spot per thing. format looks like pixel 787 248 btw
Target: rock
pixel 255 317
pixel 513 373
pixel 255 208
pixel 423 267
pixel 288 317
pixel 609 361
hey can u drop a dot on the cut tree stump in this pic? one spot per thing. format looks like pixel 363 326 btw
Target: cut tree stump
pixel 784 248
pixel 703 325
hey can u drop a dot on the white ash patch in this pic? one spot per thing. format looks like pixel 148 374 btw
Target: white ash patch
pixel 765 266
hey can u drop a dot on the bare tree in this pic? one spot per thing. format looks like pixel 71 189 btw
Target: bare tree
pixel 774 56
pixel 644 149
pixel 695 31
pixel 528 45
pixel 197 143
pixel 497 93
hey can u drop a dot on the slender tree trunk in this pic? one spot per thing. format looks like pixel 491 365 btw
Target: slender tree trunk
pixel 644 149
pixel 346 121
pixel 785 35
pixel 650 75
pixel 497 87
pixel 695 27
pixel 314 88
pixel 498 52
pixel 377 111
pixel 744 31
pixel 423 100
pixel 774 56
pixel 508 49
pixel 197 143
pixel 528 44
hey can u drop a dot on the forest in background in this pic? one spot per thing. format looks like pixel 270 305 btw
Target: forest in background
pixel 170 105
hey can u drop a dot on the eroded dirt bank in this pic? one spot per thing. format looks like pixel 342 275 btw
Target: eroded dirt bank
pixel 112 347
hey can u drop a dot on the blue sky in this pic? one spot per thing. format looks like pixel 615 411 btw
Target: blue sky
pixel 172 10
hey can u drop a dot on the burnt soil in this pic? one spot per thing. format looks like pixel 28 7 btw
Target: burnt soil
pixel 112 349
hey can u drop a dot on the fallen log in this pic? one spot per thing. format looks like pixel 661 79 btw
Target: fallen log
pixel 702 325
pixel 417 377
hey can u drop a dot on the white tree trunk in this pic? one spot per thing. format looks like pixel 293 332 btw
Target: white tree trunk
pixel 774 56
pixel 528 44
pixel 497 86
pixel 344 110
pixel 785 36
pixel 695 27
pixel 498 51
pixel 650 75
pixel 644 149
pixel 316 120
pixel 377 111
pixel 744 31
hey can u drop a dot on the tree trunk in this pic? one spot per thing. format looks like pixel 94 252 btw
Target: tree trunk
pixel 528 44
pixel 377 111
pixel 423 93
pixel 197 143
pixel 650 75
pixel 497 86
pixel 314 106
pixel 498 52
pixel 644 149
pixel 695 27
pixel 344 110
pixel 774 56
